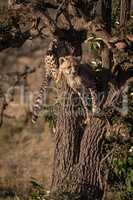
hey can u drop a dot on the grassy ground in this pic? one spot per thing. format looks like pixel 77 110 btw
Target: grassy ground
pixel 24 155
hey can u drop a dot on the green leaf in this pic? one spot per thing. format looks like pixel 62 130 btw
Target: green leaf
pixel 130 161
pixel 35 184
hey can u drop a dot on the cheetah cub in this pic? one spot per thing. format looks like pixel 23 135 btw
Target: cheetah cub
pixel 79 78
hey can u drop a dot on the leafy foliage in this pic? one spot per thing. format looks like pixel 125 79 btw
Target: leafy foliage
pixel 119 163
pixel 39 193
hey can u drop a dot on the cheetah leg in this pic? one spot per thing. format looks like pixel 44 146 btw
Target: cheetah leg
pixel 96 111
pixel 59 76
pixel 95 106
pixel 84 102
pixel 94 101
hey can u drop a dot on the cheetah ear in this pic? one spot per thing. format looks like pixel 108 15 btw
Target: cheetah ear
pixel 61 60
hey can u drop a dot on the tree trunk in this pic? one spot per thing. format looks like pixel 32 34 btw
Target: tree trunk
pixel 77 151
pixel 105 13
pixel 124 15
pixel 89 162
pixel 69 131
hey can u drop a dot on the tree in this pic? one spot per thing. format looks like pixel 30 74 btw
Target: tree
pixel 78 146
pixel 124 15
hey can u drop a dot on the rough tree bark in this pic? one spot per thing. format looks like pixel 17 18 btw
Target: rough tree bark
pixel 124 15
pixel 77 151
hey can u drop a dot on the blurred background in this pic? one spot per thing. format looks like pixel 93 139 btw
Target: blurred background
pixel 26 150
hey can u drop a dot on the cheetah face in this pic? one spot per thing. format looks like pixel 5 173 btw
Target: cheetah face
pixel 69 65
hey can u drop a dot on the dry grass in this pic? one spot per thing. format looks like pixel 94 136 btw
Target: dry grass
pixel 24 155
